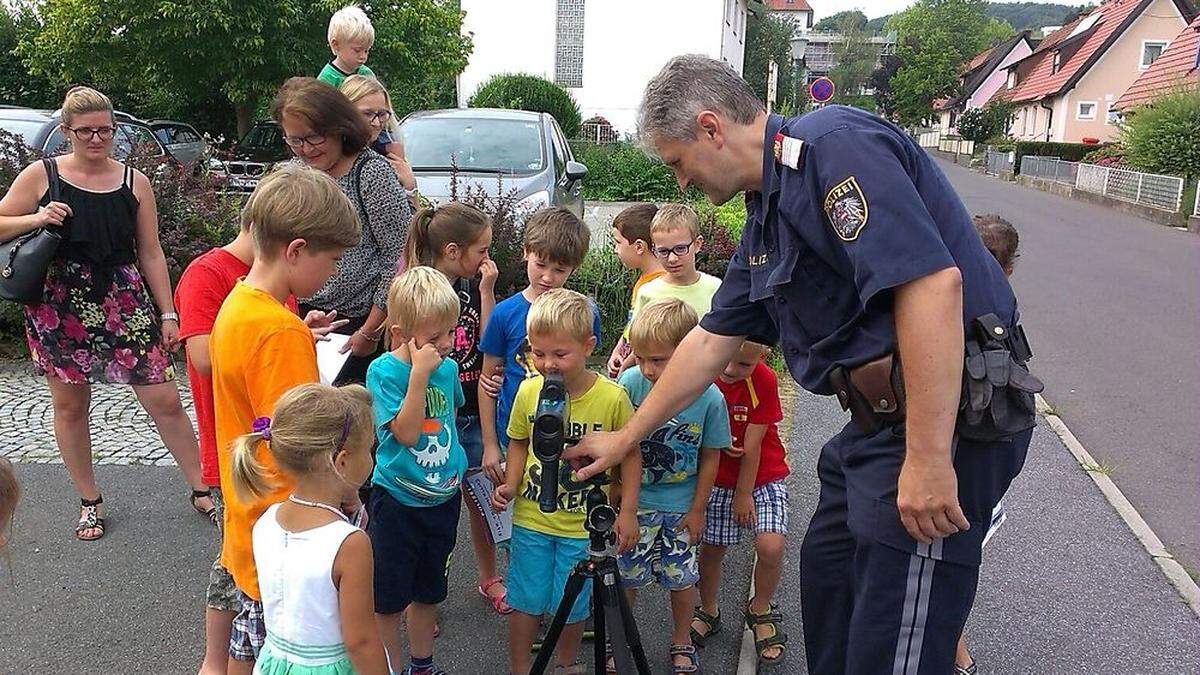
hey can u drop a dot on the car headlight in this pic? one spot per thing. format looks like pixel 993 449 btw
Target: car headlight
pixel 533 202
pixel 215 164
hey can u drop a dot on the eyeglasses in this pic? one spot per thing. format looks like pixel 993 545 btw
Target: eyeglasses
pixel 679 251
pixel 381 116
pixel 313 140
pixel 87 133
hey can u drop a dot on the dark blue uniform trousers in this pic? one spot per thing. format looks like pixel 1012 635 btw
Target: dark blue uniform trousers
pixel 874 600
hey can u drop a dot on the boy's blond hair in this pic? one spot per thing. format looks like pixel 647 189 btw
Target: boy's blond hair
pixel 298 202
pixel 421 296
pixel 561 312
pixel 662 323
pixel 557 236
pixel 672 217
pixel 82 100
pixel 350 24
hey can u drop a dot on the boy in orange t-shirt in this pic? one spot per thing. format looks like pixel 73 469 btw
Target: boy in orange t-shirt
pixel 301 223
pixel 631 240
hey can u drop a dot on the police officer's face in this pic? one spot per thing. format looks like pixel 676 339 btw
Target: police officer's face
pixel 701 163
pixel 652 359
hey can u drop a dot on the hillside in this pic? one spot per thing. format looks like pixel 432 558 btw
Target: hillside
pixel 1020 15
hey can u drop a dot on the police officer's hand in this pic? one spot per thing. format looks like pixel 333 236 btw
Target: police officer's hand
pixel 597 451
pixel 927 499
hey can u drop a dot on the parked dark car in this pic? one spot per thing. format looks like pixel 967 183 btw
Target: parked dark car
pixel 254 155
pixel 525 150
pixel 182 140
pixel 41 130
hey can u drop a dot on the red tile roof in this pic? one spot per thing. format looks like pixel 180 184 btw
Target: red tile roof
pixel 978 59
pixel 1177 66
pixel 1035 77
pixel 786 5
pixel 940 103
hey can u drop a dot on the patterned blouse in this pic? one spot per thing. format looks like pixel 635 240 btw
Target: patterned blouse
pixel 366 270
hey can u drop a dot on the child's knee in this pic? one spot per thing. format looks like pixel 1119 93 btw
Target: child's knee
pixel 711 553
pixel 770 548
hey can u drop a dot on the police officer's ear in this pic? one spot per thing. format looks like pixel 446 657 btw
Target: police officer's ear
pixel 711 125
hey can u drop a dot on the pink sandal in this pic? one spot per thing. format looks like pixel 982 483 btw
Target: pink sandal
pixel 498 601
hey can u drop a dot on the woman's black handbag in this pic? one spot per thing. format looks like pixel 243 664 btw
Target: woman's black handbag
pixel 25 258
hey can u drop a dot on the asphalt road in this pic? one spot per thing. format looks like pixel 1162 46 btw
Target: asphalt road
pixel 1110 302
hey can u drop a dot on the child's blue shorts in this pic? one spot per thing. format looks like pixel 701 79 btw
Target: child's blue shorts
pixel 537 558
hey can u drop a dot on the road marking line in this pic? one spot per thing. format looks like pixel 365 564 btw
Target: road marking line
pixel 748 656
pixel 1176 575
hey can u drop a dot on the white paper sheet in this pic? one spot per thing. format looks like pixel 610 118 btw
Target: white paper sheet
pixel 479 488
pixel 329 361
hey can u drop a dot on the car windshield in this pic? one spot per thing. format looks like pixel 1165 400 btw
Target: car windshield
pixel 262 136
pixel 27 130
pixel 509 146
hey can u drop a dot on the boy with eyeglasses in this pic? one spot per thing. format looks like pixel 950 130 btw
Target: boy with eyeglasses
pixel 675 241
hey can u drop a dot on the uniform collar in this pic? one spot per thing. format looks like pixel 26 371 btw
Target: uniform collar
pixel 770 175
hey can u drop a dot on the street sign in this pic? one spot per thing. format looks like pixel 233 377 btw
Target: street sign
pixel 772 82
pixel 821 90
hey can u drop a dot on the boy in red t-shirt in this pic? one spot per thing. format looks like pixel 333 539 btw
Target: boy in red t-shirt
pixel 202 288
pixel 749 494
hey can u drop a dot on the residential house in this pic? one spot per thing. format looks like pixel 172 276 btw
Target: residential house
pixel 603 53
pixel 815 55
pixel 1177 68
pixel 1065 90
pixel 797 11
pixel 982 77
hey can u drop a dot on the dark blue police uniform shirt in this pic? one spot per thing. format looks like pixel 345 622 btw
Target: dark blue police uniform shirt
pixel 867 210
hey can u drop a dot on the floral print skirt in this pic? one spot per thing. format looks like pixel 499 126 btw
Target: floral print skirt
pixel 96 325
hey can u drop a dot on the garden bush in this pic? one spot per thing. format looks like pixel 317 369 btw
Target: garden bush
pixel 529 92
pixel 1165 137
pixel 622 172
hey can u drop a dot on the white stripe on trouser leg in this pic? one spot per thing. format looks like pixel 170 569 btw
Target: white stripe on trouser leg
pixel 915 613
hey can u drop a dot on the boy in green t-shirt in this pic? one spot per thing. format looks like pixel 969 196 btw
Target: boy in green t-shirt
pixel 350 38
pixel 546 546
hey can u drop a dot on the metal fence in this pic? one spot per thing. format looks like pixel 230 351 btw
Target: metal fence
pixel 1196 208
pixel 997 162
pixel 1147 189
pixel 598 133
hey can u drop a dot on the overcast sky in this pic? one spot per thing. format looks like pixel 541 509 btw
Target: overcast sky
pixel 872 8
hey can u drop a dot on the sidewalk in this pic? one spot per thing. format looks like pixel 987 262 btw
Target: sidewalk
pixel 1065 587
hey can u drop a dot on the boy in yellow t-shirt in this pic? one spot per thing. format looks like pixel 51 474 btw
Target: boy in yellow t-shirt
pixel 301 222
pixel 546 546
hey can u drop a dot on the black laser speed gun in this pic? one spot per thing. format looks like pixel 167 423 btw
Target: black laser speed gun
pixel 550 436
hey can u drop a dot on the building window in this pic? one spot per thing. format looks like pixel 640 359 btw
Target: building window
pixel 1012 79
pixel 1112 116
pixel 1028 119
pixel 568 51
pixel 1054 67
pixel 1085 110
pixel 1151 50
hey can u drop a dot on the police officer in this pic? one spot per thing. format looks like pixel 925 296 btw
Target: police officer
pixel 856 255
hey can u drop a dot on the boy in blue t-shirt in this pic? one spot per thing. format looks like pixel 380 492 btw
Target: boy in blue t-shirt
pixel 555 243
pixel 419 464
pixel 679 466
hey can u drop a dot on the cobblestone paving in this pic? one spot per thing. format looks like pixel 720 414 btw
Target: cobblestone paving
pixel 122 432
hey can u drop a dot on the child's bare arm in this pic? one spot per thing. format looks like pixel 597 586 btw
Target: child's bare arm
pixel 706 475
pixel 743 492
pixel 515 467
pixel 630 472
pixel 352 575
pixel 406 425
pixel 487 404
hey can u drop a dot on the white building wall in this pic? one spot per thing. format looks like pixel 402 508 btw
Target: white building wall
pixel 626 42
pixel 999 76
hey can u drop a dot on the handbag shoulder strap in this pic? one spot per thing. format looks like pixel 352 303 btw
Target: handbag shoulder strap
pixel 52 180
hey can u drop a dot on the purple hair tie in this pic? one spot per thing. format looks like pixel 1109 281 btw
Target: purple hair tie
pixel 262 425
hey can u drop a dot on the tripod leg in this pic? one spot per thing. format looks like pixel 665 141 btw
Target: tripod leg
pixel 599 628
pixel 630 636
pixel 570 592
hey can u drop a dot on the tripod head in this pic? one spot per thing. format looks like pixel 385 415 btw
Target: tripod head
pixel 601 517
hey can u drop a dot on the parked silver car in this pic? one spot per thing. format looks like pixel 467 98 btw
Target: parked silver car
pixel 526 151
pixel 182 140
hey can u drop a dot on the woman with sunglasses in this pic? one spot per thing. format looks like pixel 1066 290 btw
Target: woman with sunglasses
pixel 372 100
pixel 106 314
pixel 326 131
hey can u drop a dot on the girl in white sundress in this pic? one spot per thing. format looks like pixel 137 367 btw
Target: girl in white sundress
pixel 314 566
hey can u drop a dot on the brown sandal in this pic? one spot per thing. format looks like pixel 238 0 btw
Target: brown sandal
pixel 211 512
pixel 774 619
pixel 89 519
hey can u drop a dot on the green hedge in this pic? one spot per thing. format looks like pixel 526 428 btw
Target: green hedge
pixel 622 172
pixel 529 92
pixel 1068 152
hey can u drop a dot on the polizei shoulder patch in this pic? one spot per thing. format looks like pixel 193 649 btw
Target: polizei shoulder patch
pixel 788 151
pixel 846 208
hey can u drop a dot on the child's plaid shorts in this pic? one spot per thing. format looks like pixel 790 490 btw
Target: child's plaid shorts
pixel 770 511
pixel 249 630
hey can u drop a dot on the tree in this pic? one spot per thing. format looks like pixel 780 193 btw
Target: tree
pixel 17 85
pixel 935 38
pixel 770 37
pixel 855 57
pixel 529 92
pixel 1161 137
pixel 167 55
pixel 881 82
pixel 836 22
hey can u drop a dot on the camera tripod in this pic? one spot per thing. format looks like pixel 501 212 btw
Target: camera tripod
pixel 610 608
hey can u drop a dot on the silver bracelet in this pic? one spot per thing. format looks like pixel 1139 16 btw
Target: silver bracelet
pixel 169 316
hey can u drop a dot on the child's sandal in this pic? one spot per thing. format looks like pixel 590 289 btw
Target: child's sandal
pixel 688 652
pixel 210 512
pixel 89 519
pixel 499 602
pixel 711 623
pixel 774 619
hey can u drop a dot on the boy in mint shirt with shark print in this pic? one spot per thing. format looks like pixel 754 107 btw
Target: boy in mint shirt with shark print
pixel 679 466
pixel 419 465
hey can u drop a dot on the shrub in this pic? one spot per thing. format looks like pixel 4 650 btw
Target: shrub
pixel 623 172
pixel 529 92
pixel 1163 137
pixel 1108 155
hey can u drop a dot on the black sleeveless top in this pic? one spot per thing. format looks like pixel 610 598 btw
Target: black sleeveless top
pixel 103 229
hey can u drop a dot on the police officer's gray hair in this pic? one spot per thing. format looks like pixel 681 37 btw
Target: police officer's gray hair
pixel 686 86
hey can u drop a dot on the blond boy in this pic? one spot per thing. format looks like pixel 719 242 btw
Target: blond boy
pixel 350 37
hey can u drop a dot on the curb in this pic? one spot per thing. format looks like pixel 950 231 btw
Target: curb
pixel 747 656
pixel 1174 572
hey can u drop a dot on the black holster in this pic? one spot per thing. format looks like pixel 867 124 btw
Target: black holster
pixel 997 398
pixel 873 392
